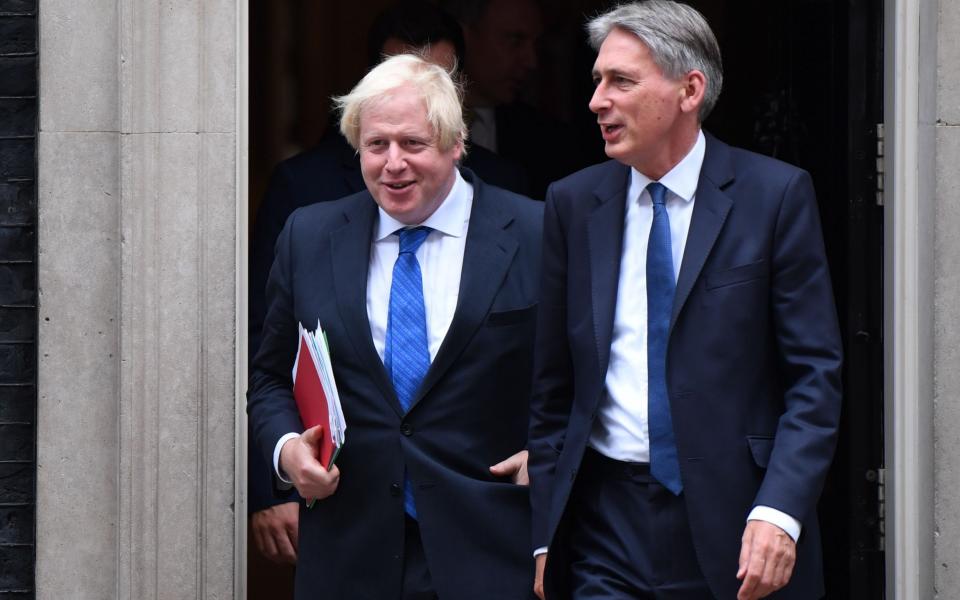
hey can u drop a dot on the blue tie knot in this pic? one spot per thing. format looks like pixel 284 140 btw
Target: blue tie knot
pixel 410 239
pixel 658 192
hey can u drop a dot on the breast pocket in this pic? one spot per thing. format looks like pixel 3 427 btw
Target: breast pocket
pixel 512 317
pixel 737 275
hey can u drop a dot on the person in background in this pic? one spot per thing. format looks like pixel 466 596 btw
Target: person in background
pixel 687 375
pixel 501 56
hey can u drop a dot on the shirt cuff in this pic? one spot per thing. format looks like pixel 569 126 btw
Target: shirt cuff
pixel 778 518
pixel 539 551
pixel 276 456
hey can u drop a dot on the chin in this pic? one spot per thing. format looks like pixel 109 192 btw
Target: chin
pixel 613 152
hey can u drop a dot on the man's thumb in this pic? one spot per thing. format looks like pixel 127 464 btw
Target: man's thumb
pixel 311 437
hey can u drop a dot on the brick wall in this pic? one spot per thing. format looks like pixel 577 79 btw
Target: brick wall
pixel 18 295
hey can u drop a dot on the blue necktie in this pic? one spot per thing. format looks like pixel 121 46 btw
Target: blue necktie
pixel 661 286
pixel 407 355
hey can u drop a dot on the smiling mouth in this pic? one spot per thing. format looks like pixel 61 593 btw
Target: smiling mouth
pixel 399 186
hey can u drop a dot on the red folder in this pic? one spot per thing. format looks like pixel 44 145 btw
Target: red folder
pixel 312 402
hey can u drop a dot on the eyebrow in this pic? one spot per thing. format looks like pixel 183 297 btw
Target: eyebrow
pixel 614 71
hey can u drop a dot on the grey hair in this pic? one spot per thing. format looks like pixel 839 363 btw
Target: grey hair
pixel 677 35
pixel 441 95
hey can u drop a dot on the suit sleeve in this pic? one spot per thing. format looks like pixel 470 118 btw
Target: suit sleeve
pixel 275 208
pixel 553 372
pixel 810 356
pixel 270 404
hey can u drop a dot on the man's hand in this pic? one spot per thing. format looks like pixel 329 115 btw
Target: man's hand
pixel 514 467
pixel 538 578
pixel 766 560
pixel 298 459
pixel 275 532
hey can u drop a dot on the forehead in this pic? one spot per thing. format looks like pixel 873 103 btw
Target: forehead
pixel 400 109
pixel 622 51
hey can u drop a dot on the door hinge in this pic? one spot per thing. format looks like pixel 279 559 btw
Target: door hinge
pixel 879 159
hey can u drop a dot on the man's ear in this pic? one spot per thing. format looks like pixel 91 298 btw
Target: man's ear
pixel 693 86
pixel 459 151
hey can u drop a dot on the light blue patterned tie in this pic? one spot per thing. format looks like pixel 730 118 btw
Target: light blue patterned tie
pixel 661 286
pixel 407 355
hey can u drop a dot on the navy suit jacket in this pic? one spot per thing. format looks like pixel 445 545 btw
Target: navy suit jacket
pixel 328 171
pixel 753 363
pixel 470 412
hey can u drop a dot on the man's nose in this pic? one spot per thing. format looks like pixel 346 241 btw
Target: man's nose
pixel 528 55
pixel 396 160
pixel 599 100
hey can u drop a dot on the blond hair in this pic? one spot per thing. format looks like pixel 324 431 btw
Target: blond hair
pixel 441 95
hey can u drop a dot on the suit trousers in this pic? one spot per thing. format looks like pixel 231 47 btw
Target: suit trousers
pixel 416 584
pixel 627 536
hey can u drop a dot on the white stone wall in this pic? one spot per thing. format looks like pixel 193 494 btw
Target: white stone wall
pixel 138 299
pixel 946 304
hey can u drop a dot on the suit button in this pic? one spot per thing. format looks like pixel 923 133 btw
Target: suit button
pixel 395 489
pixel 573 474
pixel 406 429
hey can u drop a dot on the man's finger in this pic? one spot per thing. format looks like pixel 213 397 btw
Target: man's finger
pixel 784 570
pixel 284 546
pixel 258 537
pixel 745 547
pixel 290 517
pixel 506 467
pixel 267 546
pixel 513 467
pixel 768 575
pixel 753 576
pixel 541 561
pixel 293 532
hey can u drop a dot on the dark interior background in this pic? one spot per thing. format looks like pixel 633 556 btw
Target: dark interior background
pixel 802 83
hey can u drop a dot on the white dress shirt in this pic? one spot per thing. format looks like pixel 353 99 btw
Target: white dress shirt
pixel 620 429
pixel 441 261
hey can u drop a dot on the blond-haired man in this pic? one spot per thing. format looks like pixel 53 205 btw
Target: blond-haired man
pixel 426 285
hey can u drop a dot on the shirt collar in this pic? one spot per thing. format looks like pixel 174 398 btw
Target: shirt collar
pixel 450 218
pixel 682 179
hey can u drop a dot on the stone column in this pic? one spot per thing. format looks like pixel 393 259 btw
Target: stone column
pixel 946 303
pixel 138 204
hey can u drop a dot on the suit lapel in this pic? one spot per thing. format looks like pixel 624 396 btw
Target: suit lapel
pixel 488 254
pixel 350 253
pixel 709 214
pixel 605 247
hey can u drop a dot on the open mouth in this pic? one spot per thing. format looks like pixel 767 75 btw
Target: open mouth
pixel 399 186
pixel 609 129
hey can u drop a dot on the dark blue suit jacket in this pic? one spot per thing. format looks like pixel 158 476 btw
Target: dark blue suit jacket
pixel 470 412
pixel 753 364
pixel 328 171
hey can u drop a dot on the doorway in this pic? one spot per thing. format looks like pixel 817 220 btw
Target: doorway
pixel 803 83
